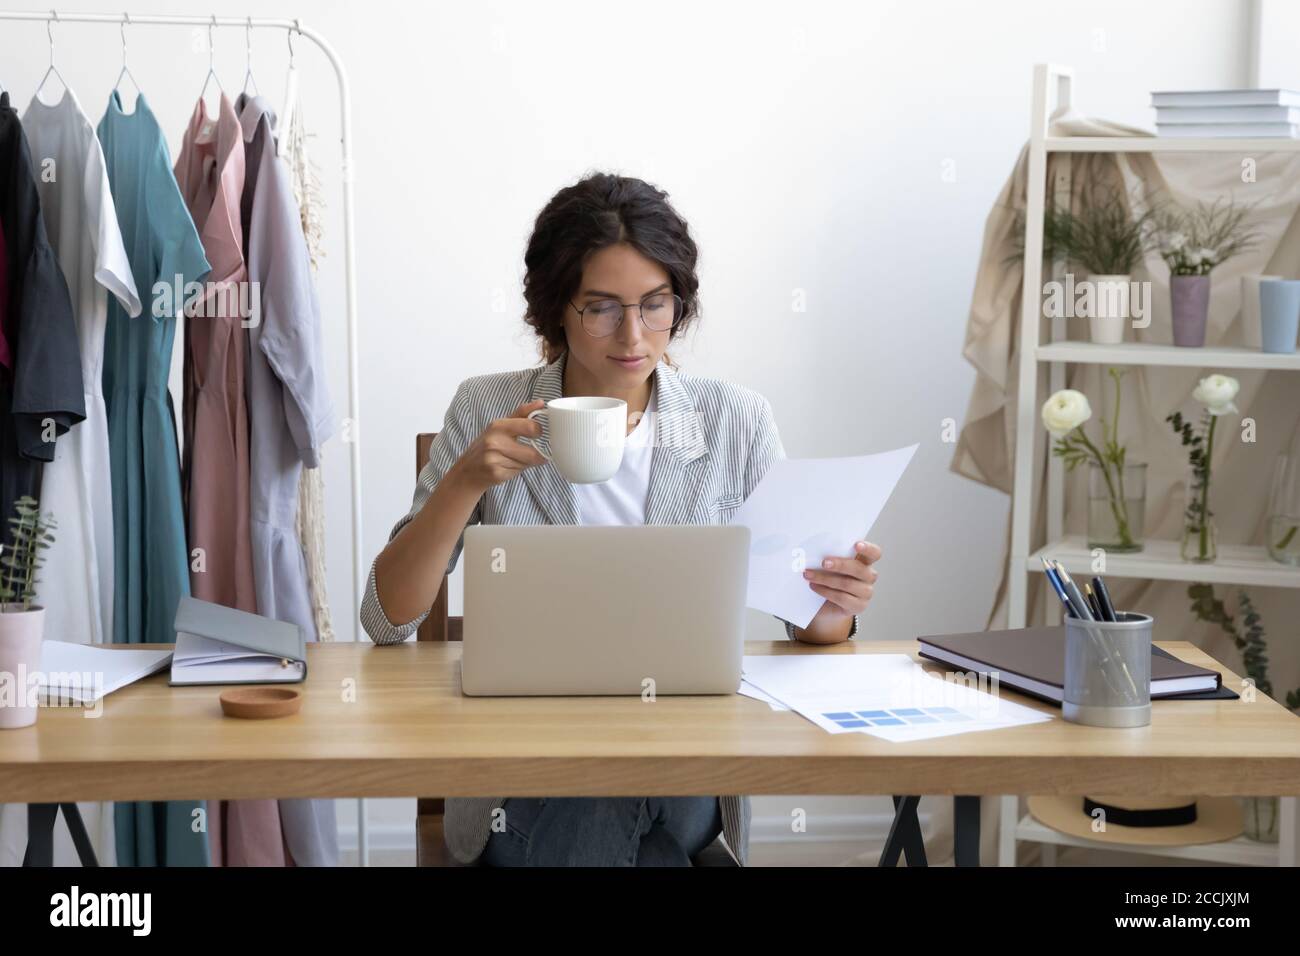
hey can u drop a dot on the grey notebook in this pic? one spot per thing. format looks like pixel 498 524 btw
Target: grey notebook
pixel 220 645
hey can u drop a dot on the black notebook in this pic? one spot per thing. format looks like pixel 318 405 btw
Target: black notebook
pixel 1032 661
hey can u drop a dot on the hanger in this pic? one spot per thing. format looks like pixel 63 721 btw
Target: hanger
pixel 49 31
pixel 291 87
pixel 126 71
pixel 212 72
pixel 248 50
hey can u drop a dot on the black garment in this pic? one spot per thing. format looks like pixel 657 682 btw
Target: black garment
pixel 41 393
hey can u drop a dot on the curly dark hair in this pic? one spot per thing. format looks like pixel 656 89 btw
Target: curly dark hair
pixel 599 211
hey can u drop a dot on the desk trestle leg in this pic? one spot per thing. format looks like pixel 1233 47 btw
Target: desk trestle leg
pixel 905 833
pixel 41 818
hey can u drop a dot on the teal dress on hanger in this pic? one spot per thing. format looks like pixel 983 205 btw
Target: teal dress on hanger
pixel 151 567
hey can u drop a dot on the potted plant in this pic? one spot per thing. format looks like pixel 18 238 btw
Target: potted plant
pixel 1107 240
pixel 1260 814
pixel 1116 486
pixel 1192 241
pixel 21 624
pixel 1216 393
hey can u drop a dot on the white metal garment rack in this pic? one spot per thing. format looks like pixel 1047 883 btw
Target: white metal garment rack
pixel 352 434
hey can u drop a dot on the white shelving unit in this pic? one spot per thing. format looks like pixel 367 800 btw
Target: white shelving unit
pixel 1147 353
pixel 1044 363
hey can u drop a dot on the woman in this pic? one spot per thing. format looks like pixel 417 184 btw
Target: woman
pixel 610 282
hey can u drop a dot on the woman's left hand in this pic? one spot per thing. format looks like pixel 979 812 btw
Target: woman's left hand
pixel 847 584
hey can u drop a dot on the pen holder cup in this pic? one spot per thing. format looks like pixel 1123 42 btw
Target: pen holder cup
pixel 1108 671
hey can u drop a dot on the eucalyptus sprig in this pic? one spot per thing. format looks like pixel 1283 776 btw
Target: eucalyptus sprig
pixel 32 534
pixel 1248 635
pixel 1198 444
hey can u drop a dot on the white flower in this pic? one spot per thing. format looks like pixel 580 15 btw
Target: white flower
pixel 1207 255
pixel 1175 241
pixel 1065 411
pixel 1216 393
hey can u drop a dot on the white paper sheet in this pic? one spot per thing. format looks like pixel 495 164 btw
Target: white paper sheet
pixel 806 509
pixel 749 690
pixel 885 695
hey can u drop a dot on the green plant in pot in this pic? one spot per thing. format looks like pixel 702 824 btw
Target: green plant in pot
pixel 1193 240
pixel 1260 814
pixel 1107 238
pixel 21 623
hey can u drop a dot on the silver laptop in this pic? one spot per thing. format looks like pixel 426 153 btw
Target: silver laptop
pixel 571 610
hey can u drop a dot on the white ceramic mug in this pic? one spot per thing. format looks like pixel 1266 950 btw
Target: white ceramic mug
pixel 586 435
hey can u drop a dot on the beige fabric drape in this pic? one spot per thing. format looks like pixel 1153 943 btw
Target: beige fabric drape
pixel 1242 470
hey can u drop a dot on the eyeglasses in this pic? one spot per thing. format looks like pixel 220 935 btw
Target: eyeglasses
pixel 659 313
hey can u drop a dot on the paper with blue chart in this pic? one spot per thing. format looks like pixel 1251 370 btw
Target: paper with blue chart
pixel 885 695
pixel 807 509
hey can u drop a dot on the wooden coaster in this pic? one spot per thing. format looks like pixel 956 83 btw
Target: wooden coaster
pixel 260 703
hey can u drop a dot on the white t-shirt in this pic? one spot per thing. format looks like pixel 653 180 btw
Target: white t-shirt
pixel 621 499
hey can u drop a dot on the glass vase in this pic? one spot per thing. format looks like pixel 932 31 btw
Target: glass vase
pixel 1284 512
pixel 1117 507
pixel 1259 818
pixel 1200 542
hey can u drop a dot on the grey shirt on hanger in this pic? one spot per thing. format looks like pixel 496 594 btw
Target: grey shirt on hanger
pixel 290 416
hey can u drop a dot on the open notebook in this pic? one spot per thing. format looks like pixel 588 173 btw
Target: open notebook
pixel 220 645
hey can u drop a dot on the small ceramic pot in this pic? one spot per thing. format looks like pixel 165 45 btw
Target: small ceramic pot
pixel 20 661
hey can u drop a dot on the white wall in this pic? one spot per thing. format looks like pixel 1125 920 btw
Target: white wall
pixel 845 152
pixel 1277 61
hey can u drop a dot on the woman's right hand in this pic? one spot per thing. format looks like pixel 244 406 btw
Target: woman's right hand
pixel 497 455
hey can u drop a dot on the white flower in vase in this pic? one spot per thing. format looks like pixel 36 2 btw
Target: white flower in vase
pixel 1065 411
pixel 1216 392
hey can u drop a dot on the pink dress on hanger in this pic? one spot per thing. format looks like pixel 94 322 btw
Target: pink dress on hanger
pixel 215 478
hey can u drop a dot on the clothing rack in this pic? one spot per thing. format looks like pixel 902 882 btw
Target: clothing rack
pixel 352 439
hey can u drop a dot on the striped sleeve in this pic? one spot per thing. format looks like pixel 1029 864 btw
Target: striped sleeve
pixel 447 447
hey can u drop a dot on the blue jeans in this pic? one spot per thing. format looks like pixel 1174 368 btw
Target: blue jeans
pixel 604 831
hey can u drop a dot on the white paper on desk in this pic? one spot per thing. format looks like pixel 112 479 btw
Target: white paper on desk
pixel 749 690
pixel 885 695
pixel 814 508
pixel 83 673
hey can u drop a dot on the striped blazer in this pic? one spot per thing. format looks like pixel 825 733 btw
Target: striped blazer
pixel 714 442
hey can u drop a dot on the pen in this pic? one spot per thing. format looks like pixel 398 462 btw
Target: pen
pixel 1072 591
pixel 1055 582
pixel 1103 598
pixel 1093 604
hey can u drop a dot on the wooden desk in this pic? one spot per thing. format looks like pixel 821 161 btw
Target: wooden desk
pixel 390 722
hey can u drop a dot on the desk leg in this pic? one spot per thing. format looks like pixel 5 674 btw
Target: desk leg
pixel 80 839
pixel 904 835
pixel 41 818
pixel 40 834
pixel 966 831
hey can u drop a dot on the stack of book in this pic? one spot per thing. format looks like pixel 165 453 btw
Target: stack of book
pixel 1228 113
